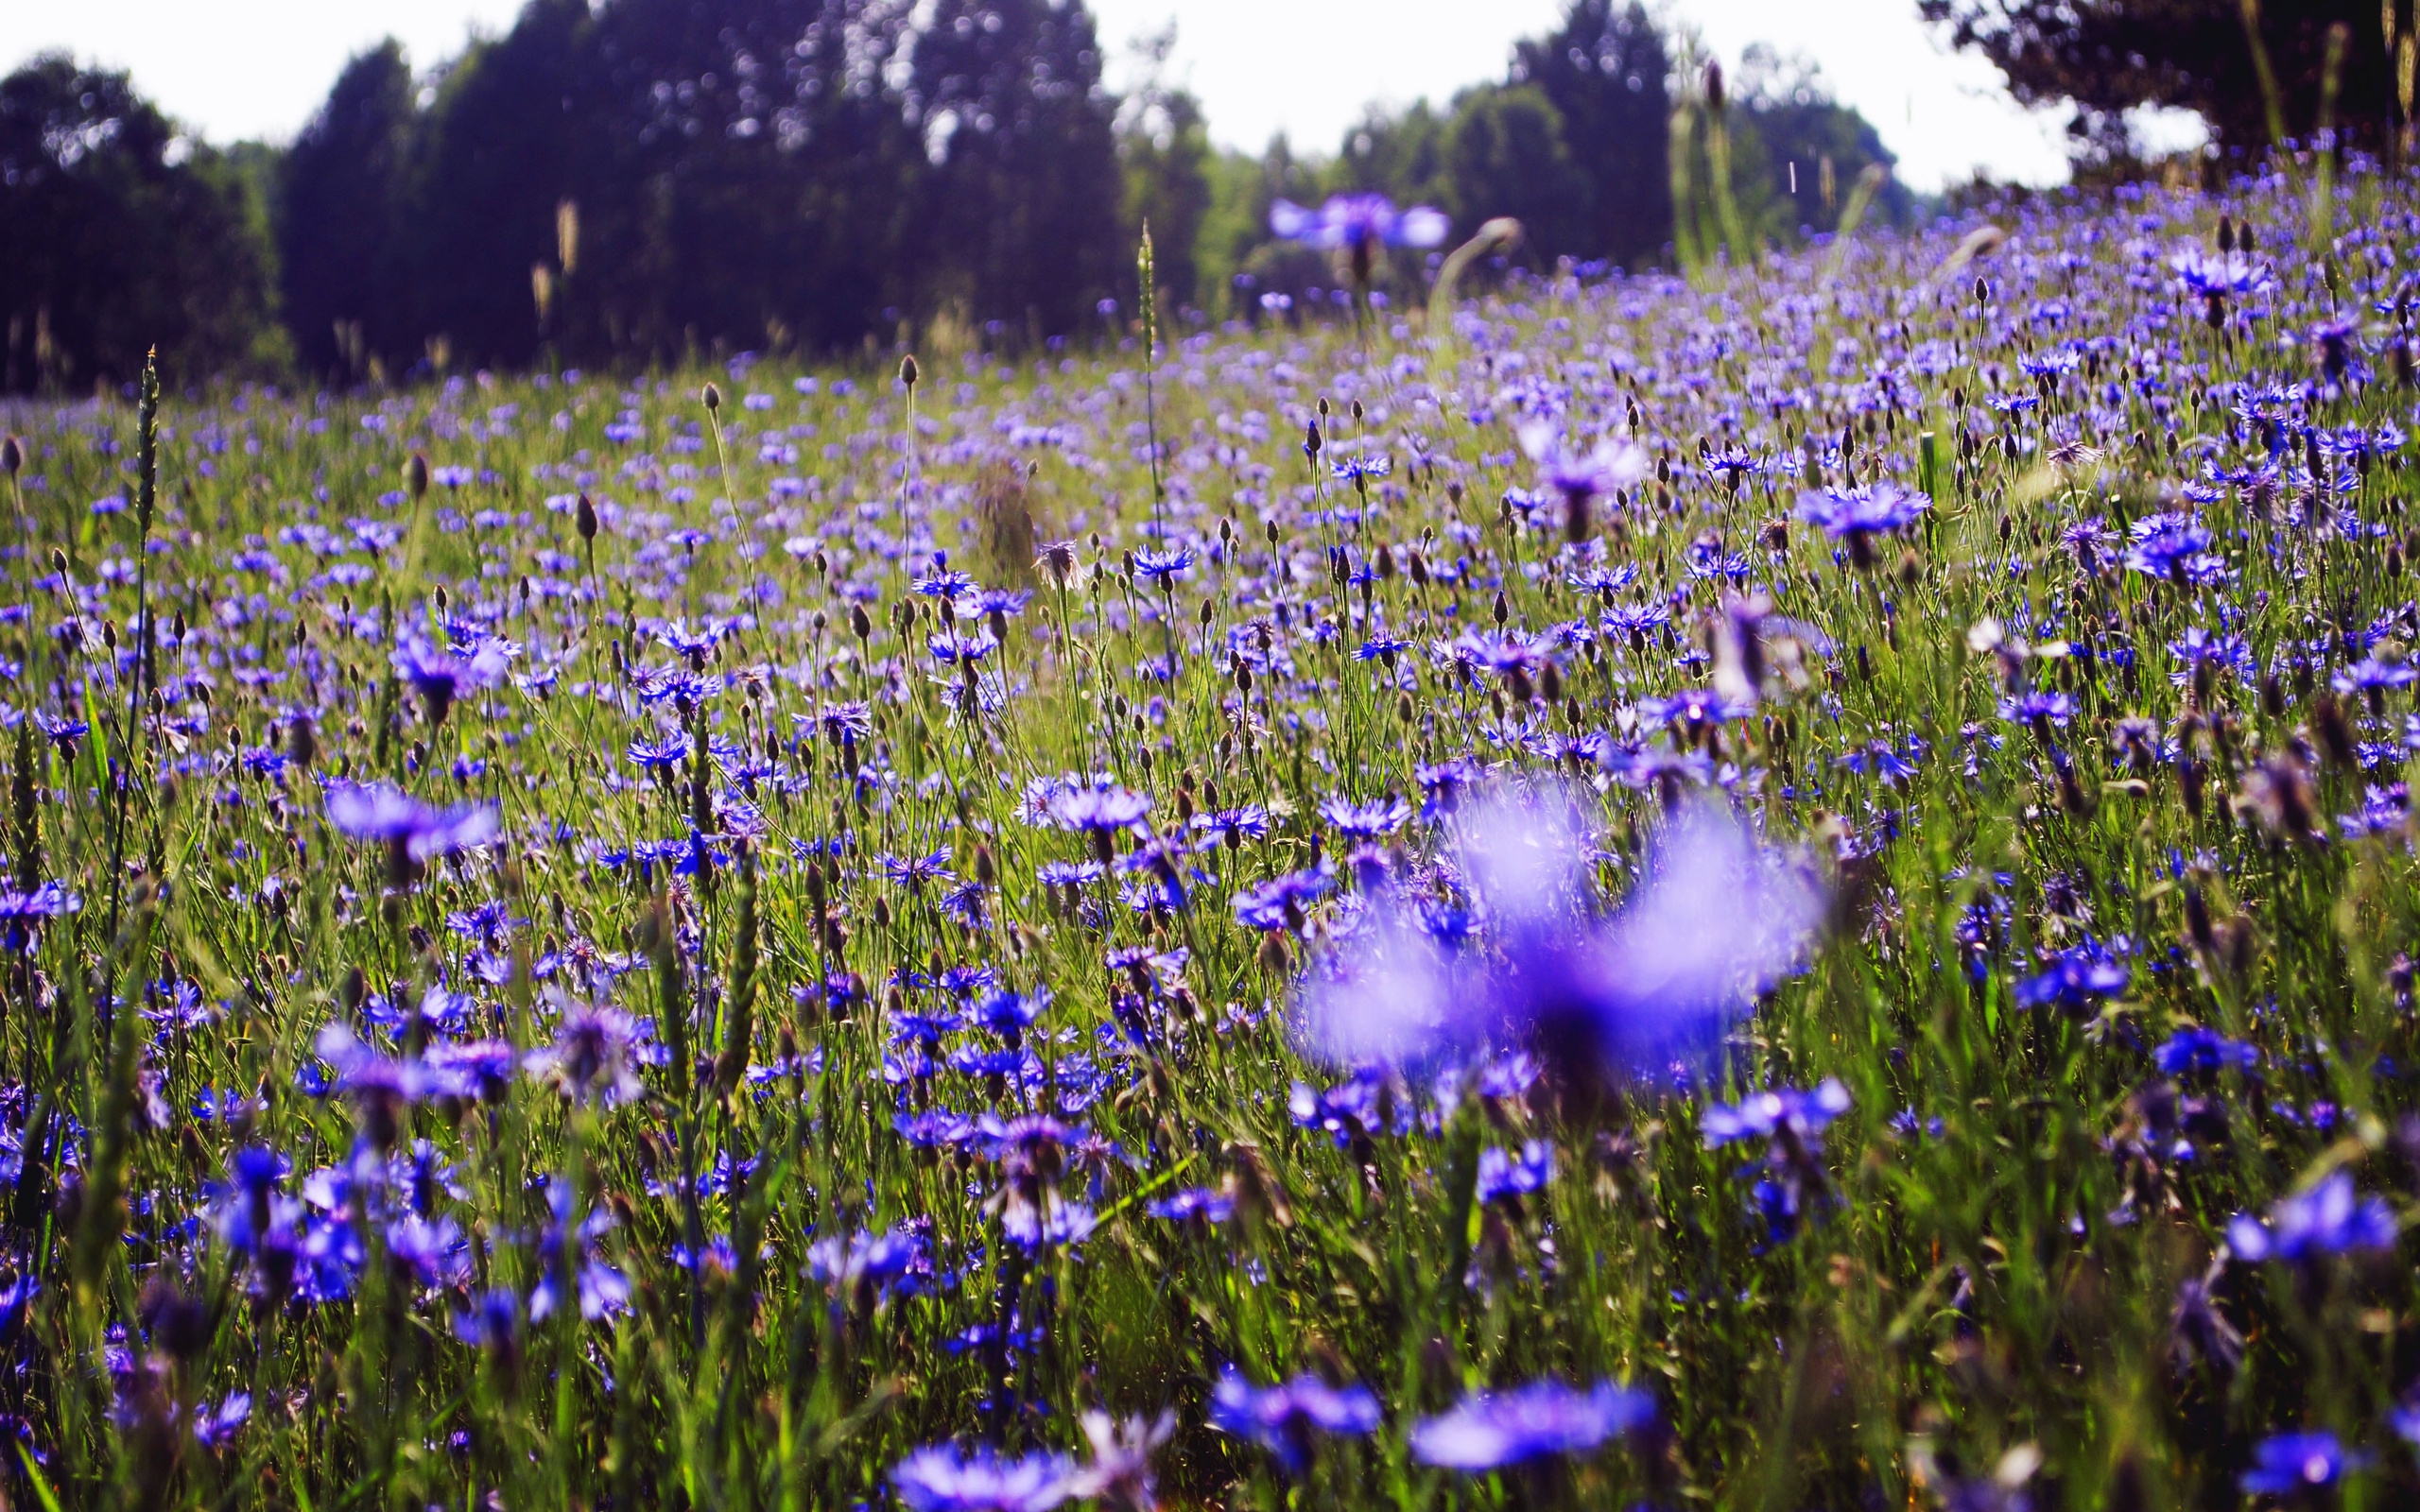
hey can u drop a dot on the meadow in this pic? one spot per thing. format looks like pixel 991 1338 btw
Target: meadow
pixel 1786 888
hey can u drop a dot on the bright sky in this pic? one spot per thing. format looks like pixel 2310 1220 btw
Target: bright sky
pixel 257 68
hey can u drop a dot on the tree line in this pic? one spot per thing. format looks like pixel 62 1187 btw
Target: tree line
pixel 628 182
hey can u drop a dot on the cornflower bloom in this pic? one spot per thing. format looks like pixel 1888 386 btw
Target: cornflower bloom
pixel 413 832
pixel 2326 1220
pixel 1580 477
pixel 1713 920
pixel 1283 1419
pixel 938 1478
pixel 1119 1474
pixel 1855 516
pixel 1490 1430
pixel 2292 1464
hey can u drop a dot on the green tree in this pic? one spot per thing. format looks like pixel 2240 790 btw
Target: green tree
pixel 117 232
pixel 1605 71
pixel 1164 150
pixel 1022 216
pixel 1507 155
pixel 2105 57
pixel 341 192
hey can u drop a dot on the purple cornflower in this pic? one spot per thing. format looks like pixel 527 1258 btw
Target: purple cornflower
pixel 1282 1418
pixel 1713 920
pixel 1492 1430
pixel 1505 1173
pixel 1358 223
pixel 413 832
pixel 1365 822
pixel 1580 477
pixel 2074 979
pixel 2188 1052
pixel 1855 516
pixel 2326 1220
pixel 2290 1464
pixel 590 1060
pixel 1800 1114
pixel 938 1478
pixel 1119 1476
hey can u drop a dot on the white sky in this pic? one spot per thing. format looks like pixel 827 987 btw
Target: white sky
pixel 257 68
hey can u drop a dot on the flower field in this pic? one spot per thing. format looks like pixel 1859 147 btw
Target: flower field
pixel 1783 888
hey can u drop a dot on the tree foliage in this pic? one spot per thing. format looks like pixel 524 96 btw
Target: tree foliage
pixel 116 234
pixel 2106 57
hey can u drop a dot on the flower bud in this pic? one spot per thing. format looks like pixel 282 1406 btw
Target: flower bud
pixel 416 476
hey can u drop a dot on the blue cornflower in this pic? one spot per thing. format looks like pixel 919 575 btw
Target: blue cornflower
pixel 1608 464
pixel 2039 709
pixel 413 832
pixel 492 1322
pixel 1281 902
pixel 1164 567
pixel 1010 1014
pixel 1505 1173
pixel 913 872
pixel 2191 1050
pixel 1365 822
pixel 1855 516
pixel 946 582
pixel 2173 545
pixel 1206 1206
pixel 941 1479
pixel 2325 1220
pixel 2290 1464
pixel 2074 979
pixel 1360 468
pixel 1492 1430
pixel 1282 1418
pixel 1801 1114
pixel 658 755
pixel 1234 826
pixel 1359 222
pixel 1712 921
pixel 599 1289
pixel 2223 275
pixel 1053 1221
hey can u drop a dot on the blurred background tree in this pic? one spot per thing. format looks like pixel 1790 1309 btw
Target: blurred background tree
pixel 2107 58
pixel 117 232
pixel 630 181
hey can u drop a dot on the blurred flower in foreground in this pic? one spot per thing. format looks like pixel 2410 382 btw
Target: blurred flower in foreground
pixel 2292 1463
pixel 1490 1430
pixel 1357 221
pixel 1579 475
pixel 938 1478
pixel 1714 920
pixel 1119 1476
pixel 2325 1220
pixel 413 832
pixel 1280 1419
